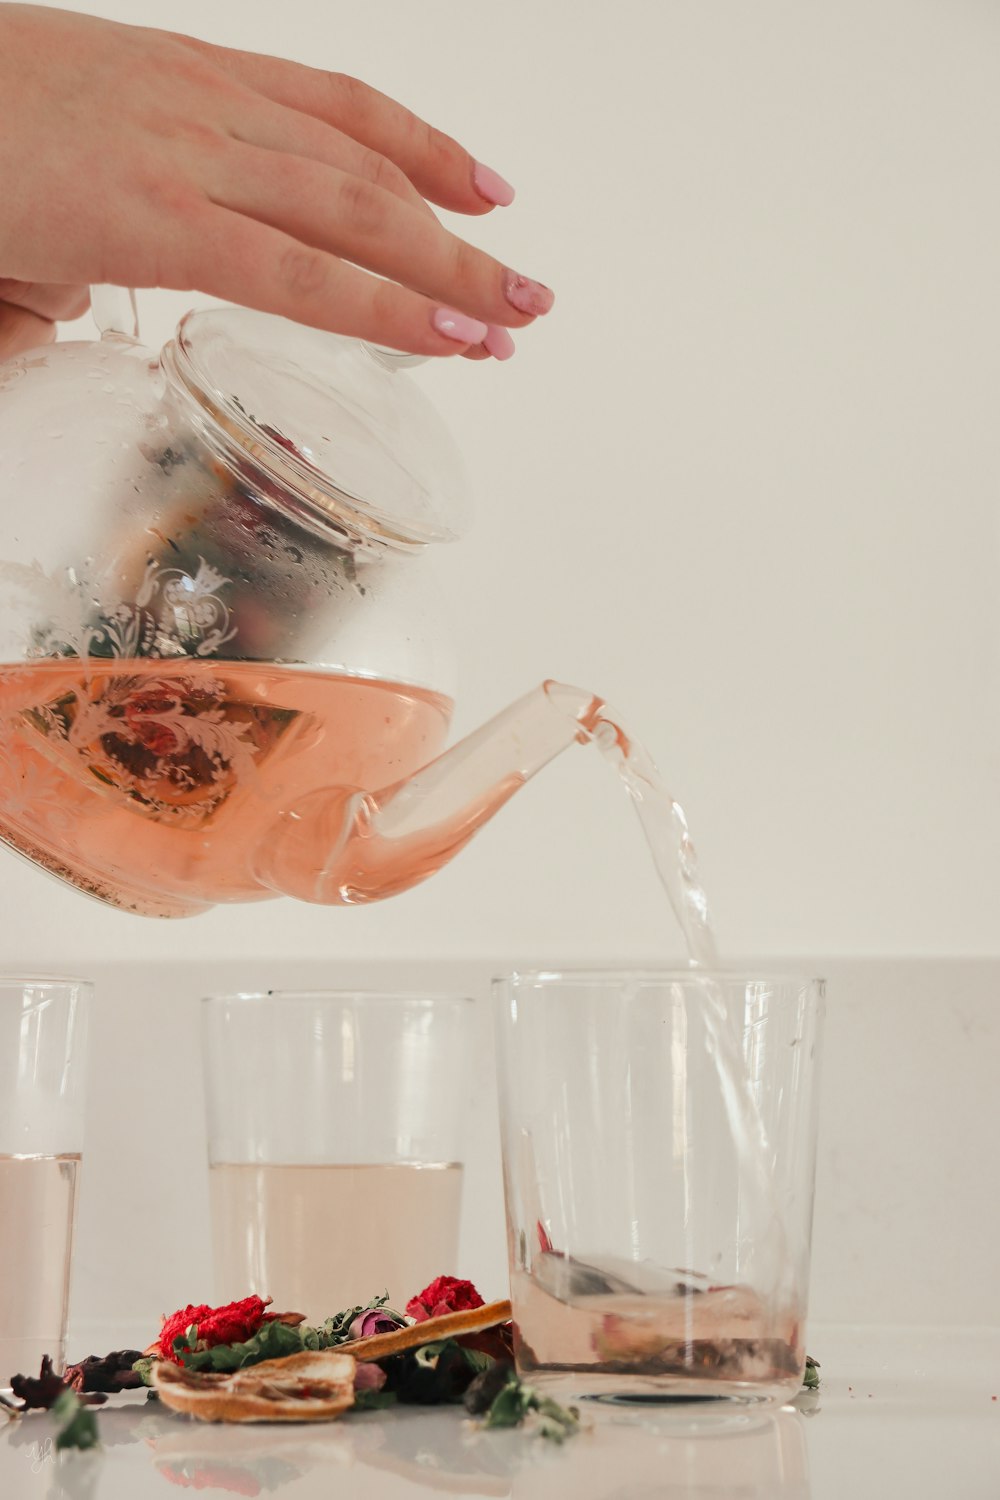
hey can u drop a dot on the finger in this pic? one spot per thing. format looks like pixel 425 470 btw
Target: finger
pixel 296 134
pixel 57 303
pixel 499 343
pixel 337 212
pixel 259 266
pixel 437 165
pixel 21 330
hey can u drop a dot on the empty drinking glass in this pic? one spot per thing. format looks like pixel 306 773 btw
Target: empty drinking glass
pixel 659 1135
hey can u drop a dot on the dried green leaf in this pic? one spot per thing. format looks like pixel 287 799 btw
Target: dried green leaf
pixel 487 1386
pixel 78 1425
pixel 510 1407
pixel 514 1402
pixel 374 1400
pixel 144 1368
pixel 555 1421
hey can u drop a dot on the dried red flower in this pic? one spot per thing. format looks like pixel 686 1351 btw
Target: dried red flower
pixel 233 1323
pixel 444 1295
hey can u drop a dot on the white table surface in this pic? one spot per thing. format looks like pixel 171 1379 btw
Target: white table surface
pixel 909 1414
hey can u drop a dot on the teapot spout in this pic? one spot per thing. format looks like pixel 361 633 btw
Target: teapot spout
pixel 345 846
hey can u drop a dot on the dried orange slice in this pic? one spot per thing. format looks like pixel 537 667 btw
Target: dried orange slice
pixel 315 1386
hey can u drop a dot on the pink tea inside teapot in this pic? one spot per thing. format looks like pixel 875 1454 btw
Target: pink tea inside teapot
pixel 152 784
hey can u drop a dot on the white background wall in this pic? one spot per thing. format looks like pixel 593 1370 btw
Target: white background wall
pixel 743 482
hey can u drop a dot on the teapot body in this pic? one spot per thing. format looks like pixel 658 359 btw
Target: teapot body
pixel 197 630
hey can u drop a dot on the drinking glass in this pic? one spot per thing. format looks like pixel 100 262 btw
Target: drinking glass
pixel 334 1142
pixel 659 1142
pixel 43 1045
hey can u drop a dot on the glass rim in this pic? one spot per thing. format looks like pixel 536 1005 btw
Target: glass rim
pixel 382 997
pixel 542 978
pixel 48 980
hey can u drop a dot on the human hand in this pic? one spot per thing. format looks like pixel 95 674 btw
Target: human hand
pixel 28 313
pixel 141 158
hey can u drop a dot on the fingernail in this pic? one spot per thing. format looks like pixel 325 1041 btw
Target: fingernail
pixel 455 325
pixel 498 342
pixel 526 295
pixel 491 186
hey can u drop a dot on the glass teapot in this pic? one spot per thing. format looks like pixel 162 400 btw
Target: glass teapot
pixel 221 676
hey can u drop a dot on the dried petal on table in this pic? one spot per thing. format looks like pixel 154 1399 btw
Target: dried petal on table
pixel 108 1373
pixel 39 1392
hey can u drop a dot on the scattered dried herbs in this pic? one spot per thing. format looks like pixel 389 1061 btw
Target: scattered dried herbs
pixel 274 1339
pixel 78 1425
pixel 433 1375
pixel 487 1386
pixel 41 1392
pixel 373 1400
pixel 514 1402
pixel 109 1373
pixel 38 1392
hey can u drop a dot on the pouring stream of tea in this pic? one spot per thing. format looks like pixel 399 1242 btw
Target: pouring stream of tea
pixel 665 828
pixel 661 818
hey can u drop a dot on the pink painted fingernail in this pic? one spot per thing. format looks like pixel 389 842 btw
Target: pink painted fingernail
pixel 498 342
pixel 491 186
pixel 455 325
pixel 526 295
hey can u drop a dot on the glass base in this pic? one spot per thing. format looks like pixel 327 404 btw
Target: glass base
pixel 620 1390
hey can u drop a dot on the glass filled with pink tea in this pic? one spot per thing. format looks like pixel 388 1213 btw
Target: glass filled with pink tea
pixel 334 1139
pixel 43 1043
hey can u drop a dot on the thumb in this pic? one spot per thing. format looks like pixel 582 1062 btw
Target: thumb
pixel 21 330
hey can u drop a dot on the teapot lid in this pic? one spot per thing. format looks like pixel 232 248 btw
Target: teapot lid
pixel 335 417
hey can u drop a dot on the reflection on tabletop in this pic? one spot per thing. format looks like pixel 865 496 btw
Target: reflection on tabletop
pixel 633 1454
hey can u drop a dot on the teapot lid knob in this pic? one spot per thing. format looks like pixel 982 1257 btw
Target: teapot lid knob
pixel 114 310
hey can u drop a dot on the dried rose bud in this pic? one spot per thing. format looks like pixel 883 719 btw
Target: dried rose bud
pixel 374 1320
pixel 369 1376
pixel 446 1294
